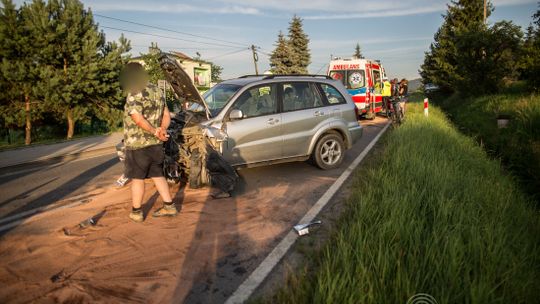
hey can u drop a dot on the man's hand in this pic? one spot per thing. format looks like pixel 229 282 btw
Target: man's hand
pixel 161 134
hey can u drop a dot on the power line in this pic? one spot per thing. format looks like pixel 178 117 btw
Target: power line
pixel 321 68
pixel 227 54
pixel 167 37
pixel 264 53
pixel 179 47
pixel 169 30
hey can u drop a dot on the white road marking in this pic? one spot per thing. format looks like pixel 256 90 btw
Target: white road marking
pixel 245 290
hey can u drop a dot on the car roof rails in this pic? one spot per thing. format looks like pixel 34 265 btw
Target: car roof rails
pixel 251 75
pixel 297 75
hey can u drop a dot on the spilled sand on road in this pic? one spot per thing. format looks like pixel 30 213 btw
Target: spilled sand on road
pixel 202 255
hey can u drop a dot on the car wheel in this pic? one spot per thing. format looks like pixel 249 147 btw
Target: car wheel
pixel 329 152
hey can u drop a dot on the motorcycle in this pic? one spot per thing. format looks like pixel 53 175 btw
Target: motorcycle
pixel 394 110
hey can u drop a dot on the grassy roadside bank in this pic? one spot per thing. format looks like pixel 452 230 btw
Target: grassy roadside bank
pixel 517 145
pixel 434 215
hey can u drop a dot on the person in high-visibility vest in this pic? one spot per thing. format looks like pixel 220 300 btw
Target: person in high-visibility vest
pixel 386 93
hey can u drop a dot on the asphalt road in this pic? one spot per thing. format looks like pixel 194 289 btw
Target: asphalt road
pixel 201 256
pixel 42 186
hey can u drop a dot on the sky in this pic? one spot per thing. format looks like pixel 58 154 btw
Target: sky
pixel 397 32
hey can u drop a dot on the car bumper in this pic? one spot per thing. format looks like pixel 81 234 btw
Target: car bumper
pixel 356 133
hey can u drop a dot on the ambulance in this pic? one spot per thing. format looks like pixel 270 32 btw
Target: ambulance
pixel 363 80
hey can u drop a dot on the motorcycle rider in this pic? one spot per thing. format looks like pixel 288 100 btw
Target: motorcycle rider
pixel 403 93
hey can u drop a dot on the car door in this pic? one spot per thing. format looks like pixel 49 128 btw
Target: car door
pixel 256 137
pixel 303 113
pixel 333 99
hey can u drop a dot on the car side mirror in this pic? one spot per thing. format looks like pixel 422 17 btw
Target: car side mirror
pixel 236 114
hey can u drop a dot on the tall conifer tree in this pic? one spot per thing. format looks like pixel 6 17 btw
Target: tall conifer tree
pixel 358 52
pixel 281 58
pixel 298 42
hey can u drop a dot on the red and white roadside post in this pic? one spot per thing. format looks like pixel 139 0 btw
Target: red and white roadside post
pixel 426 110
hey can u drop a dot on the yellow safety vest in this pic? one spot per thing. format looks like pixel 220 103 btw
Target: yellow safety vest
pixel 387 89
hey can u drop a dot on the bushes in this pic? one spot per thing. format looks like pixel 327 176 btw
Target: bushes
pixel 518 145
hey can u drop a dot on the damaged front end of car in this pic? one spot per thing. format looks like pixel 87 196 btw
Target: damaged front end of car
pixel 193 150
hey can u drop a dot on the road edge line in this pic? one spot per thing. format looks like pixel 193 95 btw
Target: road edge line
pixel 246 289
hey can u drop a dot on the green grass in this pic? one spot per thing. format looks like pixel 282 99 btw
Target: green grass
pixel 518 145
pixel 432 214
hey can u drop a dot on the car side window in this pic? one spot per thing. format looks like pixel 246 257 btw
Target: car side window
pixel 300 96
pixel 257 101
pixel 333 96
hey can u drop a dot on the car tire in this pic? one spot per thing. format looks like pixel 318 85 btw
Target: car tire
pixel 329 152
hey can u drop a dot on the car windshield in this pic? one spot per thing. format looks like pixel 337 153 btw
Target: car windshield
pixel 217 97
pixel 351 79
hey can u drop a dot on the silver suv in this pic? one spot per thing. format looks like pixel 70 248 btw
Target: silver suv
pixel 274 119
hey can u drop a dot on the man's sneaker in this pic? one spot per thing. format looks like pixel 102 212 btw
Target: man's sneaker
pixel 166 210
pixel 121 181
pixel 221 194
pixel 136 216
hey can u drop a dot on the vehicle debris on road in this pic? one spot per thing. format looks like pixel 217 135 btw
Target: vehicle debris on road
pixel 303 229
pixel 91 221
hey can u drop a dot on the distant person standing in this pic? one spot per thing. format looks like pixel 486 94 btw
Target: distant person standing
pixel 146 119
pixel 386 93
pixel 395 87
pixel 403 93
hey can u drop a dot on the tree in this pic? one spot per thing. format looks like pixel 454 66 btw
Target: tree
pixel 153 68
pixel 107 103
pixel 488 57
pixel 281 61
pixel 469 56
pixel 55 61
pixel 151 64
pixel 298 42
pixel 357 52
pixel 530 64
pixel 216 72
pixel 73 58
pixel 19 70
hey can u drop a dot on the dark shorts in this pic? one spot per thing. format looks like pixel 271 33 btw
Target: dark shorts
pixel 144 162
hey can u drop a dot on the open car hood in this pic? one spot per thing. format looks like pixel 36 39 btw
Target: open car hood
pixel 180 82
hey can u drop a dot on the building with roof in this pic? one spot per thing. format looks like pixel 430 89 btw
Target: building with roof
pixel 198 70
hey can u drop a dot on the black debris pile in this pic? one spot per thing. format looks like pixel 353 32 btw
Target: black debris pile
pixel 190 156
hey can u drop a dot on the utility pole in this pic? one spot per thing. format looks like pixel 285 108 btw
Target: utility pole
pixel 255 58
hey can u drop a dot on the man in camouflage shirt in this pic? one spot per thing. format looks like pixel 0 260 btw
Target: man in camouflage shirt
pixel 146 119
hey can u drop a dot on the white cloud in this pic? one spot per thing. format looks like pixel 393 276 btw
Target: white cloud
pixel 320 44
pixel 308 9
pixel 170 7
pixel 381 13
pixel 354 9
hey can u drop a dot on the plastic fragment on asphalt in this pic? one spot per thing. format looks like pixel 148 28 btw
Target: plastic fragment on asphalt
pixel 303 229
pixel 92 221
